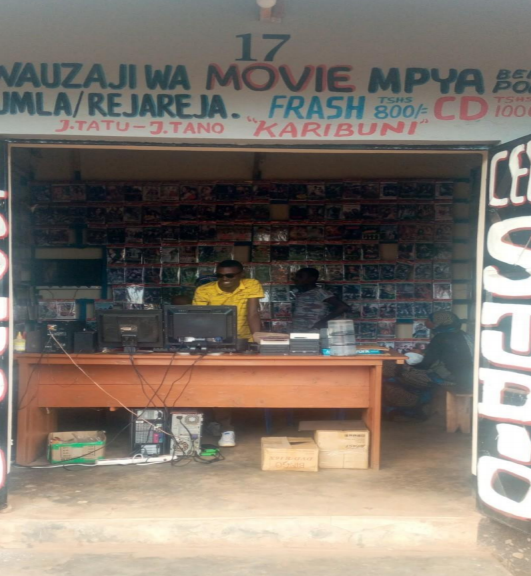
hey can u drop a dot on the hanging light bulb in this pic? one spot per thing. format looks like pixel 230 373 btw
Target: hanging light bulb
pixel 266 3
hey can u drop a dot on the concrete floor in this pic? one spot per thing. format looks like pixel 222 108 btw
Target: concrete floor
pixel 511 547
pixel 425 472
pixel 232 563
pixel 421 499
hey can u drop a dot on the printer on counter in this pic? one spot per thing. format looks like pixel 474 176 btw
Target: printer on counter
pixel 274 346
pixel 304 344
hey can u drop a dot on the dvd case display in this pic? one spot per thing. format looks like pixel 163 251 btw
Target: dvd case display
pixel 170 255
pixel 152 275
pixel 261 253
pixel 134 275
pixel 388 310
pixel 262 273
pixel 279 233
pixel 280 294
pixel 281 252
pixel 369 310
pixel 352 272
pixel 133 256
pixel 405 310
pixel 297 252
pixel 134 235
pixel 280 273
pixel 370 272
pixel 370 233
pixel 171 275
pixel 351 292
pixel 355 310
pixel 387 291
pixel 368 330
pixel 405 291
pixel 423 309
pixel 132 215
pixel 115 256
pixel 423 291
pixel 386 329
pixel 352 252
pixel 403 271
pixel 298 233
pixel 387 271
pixel 383 246
pixel 423 272
pixel 442 291
pixel 369 291
pixel 94 237
pixel 188 275
pixel 420 330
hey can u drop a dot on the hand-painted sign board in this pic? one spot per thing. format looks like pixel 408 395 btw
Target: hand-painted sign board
pixel 504 463
pixel 342 72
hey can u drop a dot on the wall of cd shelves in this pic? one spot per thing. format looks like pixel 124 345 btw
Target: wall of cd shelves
pixel 385 247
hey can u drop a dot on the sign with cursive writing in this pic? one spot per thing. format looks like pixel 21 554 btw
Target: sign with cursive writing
pixel 504 464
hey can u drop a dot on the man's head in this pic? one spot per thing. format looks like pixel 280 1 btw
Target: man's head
pixel 306 277
pixel 229 274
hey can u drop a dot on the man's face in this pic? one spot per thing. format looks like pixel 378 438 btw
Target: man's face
pixel 229 278
pixel 303 279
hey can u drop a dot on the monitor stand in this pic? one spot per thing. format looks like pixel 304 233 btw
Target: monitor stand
pixel 129 333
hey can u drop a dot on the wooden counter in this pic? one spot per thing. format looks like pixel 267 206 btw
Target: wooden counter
pixel 51 381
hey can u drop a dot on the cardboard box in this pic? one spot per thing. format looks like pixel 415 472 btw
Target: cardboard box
pixel 350 459
pixel 341 443
pixel 76 447
pixel 298 454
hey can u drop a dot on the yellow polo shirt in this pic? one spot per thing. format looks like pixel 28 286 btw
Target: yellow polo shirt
pixel 212 295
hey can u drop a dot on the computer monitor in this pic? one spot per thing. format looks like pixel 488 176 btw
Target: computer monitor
pixel 130 329
pixel 201 327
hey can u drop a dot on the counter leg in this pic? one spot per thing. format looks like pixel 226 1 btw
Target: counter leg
pixel 33 423
pixel 373 415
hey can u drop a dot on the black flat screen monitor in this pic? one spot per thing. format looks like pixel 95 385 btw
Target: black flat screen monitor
pixel 130 329
pixel 208 327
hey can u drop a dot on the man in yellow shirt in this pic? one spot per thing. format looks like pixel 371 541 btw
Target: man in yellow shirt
pixel 232 289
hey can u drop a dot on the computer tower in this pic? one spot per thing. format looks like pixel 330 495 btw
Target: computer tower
pixel 147 437
pixel 63 336
pixel 85 342
pixel 186 427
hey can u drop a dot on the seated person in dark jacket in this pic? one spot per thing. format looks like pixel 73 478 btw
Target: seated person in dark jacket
pixel 447 361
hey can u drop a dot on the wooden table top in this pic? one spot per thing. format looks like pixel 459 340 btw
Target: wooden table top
pixel 163 359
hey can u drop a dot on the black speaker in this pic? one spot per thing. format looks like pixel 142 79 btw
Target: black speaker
pixel 35 341
pixel 84 342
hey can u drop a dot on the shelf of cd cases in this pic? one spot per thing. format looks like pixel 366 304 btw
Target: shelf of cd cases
pixel 160 238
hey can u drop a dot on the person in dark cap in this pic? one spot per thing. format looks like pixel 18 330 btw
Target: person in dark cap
pixel 446 361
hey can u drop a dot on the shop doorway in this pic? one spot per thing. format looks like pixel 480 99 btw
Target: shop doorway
pixel 450 184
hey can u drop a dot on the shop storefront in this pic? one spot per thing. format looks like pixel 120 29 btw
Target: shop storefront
pixel 357 140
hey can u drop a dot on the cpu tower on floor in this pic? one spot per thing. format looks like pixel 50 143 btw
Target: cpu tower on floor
pixel 147 437
pixel 186 428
